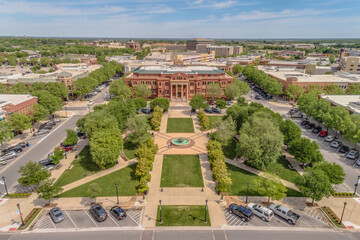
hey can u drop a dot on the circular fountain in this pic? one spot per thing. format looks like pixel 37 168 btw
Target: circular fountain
pixel 180 141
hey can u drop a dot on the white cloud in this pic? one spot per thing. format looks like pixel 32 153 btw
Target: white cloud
pixel 160 9
pixel 219 5
pixel 198 1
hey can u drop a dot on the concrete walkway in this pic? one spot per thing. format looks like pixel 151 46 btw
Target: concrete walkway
pixel 163 125
pixel 92 177
pixel 257 172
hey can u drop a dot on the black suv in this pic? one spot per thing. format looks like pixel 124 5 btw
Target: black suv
pixel 118 212
pixel 16 149
pixel 243 213
pixel 344 149
pixel 317 129
pixel 98 212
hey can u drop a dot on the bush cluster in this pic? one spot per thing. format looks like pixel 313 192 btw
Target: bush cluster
pixel 203 120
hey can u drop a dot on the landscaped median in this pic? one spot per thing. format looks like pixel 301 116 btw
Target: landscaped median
pixel 30 218
pixel 180 215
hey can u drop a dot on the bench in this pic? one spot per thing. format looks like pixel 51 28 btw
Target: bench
pixel 291 166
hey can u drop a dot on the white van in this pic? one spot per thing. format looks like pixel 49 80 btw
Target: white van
pixel 262 212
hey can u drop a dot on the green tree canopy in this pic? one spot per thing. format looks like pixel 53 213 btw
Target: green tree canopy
pixel 32 174
pixel 48 190
pixel 290 130
pixel 225 130
pixel 293 91
pixel 142 90
pixel 270 186
pixel 57 156
pixel 121 89
pixel 71 137
pixel 19 122
pixel 138 128
pixel 5 132
pixel 198 101
pixel 57 89
pixel 221 103
pixel 163 103
pixel 49 101
pixel 140 103
pixel 19 88
pixel 334 89
pixel 214 91
pixel 305 150
pixel 334 171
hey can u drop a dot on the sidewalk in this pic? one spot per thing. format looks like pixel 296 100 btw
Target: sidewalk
pixel 257 172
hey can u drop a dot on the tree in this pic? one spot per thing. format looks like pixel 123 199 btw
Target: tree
pixel 94 191
pixel 338 118
pixel 214 91
pixel 57 156
pixel 198 101
pixel 334 171
pixel 138 128
pixel 260 141
pixel 45 61
pixel 353 89
pixel 163 103
pixel 3 88
pixel 204 120
pixel 238 69
pixel 19 122
pixel 37 86
pixel 156 118
pixel 142 90
pixel 221 103
pixel 332 59
pixel 290 130
pixel 5 132
pixel 315 89
pixel 140 103
pixel 293 91
pixel 120 89
pixel 11 60
pixel 19 88
pixel 98 122
pixel 334 89
pixel 236 89
pixel 225 130
pixel 221 175
pixel 353 130
pixel 105 147
pixel 305 150
pixel 48 190
pixel 32 173
pixel 39 112
pixel 71 137
pixel 270 186
pixel 57 89
pixel 49 101
pixel 314 184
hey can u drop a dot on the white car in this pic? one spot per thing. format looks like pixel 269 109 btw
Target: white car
pixel 336 144
pixel 358 162
pixel 262 212
pixel 8 156
pixel 91 102
pixel 330 138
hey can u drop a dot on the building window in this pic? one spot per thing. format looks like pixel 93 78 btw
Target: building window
pixel 229 82
pixel 191 84
pixel 191 91
pixel 154 82
pixel 166 83
pixel 166 91
pixel 160 91
pixel 204 83
pixel 159 83
pixel 209 75
pixel 142 82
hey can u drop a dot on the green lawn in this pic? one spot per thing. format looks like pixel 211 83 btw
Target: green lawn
pixel 182 216
pixel 82 165
pixel 125 178
pixel 214 119
pixel 230 150
pixel 130 149
pixel 240 178
pixel 180 125
pixel 283 171
pixel 181 171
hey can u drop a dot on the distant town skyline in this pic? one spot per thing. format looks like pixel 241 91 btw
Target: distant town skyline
pixel 181 19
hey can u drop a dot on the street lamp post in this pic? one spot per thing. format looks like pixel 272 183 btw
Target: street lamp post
pixel 160 211
pixel 117 193
pixel 206 208
pixel 247 193
pixel 342 215
pixel 66 111
pixel 22 220
pixel 356 185
pixel 7 193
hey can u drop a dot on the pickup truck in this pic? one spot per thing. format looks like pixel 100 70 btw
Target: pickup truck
pixel 286 213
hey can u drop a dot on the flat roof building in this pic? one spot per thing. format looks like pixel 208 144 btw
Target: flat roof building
pixel 16 103
pixel 178 83
pixel 221 51
pixel 191 44
pixel 350 102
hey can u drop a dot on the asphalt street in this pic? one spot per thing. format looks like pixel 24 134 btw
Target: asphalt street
pixel 163 234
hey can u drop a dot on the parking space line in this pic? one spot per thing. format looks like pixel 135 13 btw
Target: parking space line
pixel 133 219
pixel 111 217
pixel 51 221
pixel 91 218
pixel 71 219
pixel 306 223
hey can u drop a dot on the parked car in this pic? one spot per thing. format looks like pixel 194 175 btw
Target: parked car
pixel 49 167
pixel 216 110
pixel 211 102
pixel 22 145
pixel 16 149
pixel 56 215
pixel 2 162
pixel 262 212
pixel 46 161
pixel 304 123
pixel 329 138
pixel 41 132
pixel 286 213
pixel 56 120
pixel 91 102
pixel 358 162
pixel 257 97
pixel 353 154
pixel 323 133
pixel 310 126
pixel 81 134
pixel 296 115
pixel 243 213
pixel 344 149
pixel 7 156
pixel 208 110
pixel 336 144
pixel 98 212
pixel 146 110
pixel 118 212
pixel 228 103
pixel 317 129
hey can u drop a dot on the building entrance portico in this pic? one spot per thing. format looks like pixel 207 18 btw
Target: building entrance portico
pixel 179 91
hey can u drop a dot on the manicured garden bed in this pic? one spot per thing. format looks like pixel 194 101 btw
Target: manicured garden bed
pixel 182 216
pixel 125 178
pixel 30 218
pixel 81 167
pixel 180 125
pixel 181 171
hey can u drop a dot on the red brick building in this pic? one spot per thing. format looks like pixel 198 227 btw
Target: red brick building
pixel 178 82
pixel 16 103
pixel 289 53
pixel 134 45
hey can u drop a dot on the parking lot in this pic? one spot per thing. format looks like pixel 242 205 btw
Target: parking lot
pixel 310 218
pixel 79 219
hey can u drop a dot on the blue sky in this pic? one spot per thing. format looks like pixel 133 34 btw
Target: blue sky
pixel 181 19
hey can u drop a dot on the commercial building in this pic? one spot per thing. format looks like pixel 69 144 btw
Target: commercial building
pixel 176 47
pixel 179 57
pixel 350 64
pixel 304 45
pixel 290 53
pixel 16 103
pixel 134 45
pixel 191 44
pixel 222 51
pixel 350 102
pixel 178 82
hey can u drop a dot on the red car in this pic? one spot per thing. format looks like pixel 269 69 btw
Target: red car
pixel 323 133
pixel 66 148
